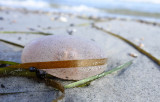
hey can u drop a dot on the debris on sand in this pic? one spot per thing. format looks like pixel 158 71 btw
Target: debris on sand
pixel 133 55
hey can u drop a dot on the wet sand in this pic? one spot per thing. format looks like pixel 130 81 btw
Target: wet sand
pixel 138 83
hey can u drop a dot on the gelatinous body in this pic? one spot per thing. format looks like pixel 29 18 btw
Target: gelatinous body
pixel 62 47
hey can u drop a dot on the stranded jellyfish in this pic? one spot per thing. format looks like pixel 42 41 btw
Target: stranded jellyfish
pixel 63 47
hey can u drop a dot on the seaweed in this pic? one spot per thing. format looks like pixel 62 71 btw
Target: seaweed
pixel 22 32
pixel 12 43
pixel 157 61
pixel 61 64
pixel 6 72
pixel 86 80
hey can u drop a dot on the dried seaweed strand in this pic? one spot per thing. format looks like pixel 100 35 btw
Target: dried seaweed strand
pixel 6 72
pixel 8 93
pixel 157 61
pixel 17 32
pixel 12 43
pixel 56 85
pixel 26 73
pixel 83 81
pixel 61 64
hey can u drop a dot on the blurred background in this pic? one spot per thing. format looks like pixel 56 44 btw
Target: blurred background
pixel 139 9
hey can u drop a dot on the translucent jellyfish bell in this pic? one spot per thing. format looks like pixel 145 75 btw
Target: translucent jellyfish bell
pixel 63 47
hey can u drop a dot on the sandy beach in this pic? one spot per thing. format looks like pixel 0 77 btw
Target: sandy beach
pixel 138 83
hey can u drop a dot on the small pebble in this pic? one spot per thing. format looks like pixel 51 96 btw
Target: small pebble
pixel 1 18
pixel 141 45
pixel 40 74
pixel 48 13
pixel 92 17
pixel 154 24
pixel 31 29
pixel 38 26
pixel 63 19
pixel 13 21
pixel 52 19
pixel 49 27
pixel 133 55
pixel 19 38
pixel 142 39
pixel 92 39
pixel 71 31
pixel 71 25
pixel 141 21
pixel 2 86
pixel 32 69
pixel 92 24
pixel 136 40
pixel 7 12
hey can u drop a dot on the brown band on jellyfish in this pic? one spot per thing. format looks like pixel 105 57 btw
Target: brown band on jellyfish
pixel 61 64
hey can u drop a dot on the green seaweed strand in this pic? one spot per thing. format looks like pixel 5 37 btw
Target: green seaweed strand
pixel 83 81
pixel 17 32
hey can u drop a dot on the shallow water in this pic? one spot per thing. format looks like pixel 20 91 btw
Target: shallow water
pixel 141 9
